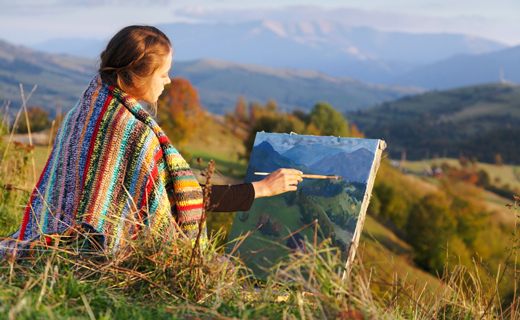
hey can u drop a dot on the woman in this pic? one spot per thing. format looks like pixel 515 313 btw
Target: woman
pixel 113 171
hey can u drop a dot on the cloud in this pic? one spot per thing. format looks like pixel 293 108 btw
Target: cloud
pixel 35 21
pixel 34 6
pixel 104 3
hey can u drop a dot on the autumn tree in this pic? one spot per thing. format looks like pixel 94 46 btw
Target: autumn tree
pixel 498 160
pixel 38 120
pixel 239 119
pixel 355 132
pixel 329 121
pixel 241 109
pixel 180 113
pixel 469 213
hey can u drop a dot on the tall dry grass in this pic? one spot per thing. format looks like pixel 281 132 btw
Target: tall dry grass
pixel 148 277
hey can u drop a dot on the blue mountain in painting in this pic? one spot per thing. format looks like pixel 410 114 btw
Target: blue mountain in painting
pixel 353 167
pixel 265 159
pixel 310 153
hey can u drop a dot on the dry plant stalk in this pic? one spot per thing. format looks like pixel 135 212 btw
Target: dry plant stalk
pixel 197 251
pixel 24 106
pixel 15 125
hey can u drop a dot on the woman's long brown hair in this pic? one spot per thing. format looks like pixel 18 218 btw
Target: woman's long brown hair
pixel 132 56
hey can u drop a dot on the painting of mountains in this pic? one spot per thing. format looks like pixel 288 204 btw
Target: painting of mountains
pixel 283 224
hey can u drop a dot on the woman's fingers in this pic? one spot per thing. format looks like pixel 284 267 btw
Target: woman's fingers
pixel 280 181
pixel 285 178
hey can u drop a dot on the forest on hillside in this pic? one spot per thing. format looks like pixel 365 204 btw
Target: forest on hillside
pixel 480 121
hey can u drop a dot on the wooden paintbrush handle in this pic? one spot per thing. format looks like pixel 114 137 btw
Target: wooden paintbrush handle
pixel 307 176
pixel 317 176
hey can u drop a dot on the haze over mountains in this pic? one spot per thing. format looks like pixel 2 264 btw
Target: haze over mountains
pixel 465 70
pixel 218 82
pixel 333 48
pixel 305 154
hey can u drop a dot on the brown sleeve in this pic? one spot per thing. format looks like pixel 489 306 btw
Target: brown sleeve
pixel 238 197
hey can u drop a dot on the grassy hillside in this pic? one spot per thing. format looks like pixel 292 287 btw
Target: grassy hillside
pixel 479 121
pixel 216 141
pixel 505 174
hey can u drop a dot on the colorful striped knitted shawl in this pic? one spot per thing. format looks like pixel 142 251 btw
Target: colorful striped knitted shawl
pixel 112 170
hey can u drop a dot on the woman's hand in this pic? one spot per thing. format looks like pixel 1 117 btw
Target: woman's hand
pixel 280 181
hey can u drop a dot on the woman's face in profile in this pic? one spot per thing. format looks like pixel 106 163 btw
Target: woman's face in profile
pixel 159 79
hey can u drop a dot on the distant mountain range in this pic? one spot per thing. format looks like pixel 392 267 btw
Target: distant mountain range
pixel 265 159
pixel 218 82
pixel 347 165
pixel 465 70
pixel 333 48
pixel 352 167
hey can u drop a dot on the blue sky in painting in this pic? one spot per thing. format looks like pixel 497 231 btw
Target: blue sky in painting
pixel 284 142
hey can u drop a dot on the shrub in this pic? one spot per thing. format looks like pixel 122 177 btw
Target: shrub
pixel 429 227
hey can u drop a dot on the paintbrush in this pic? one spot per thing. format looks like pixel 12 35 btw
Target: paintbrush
pixel 307 176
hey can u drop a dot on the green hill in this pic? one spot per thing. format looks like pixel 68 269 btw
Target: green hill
pixel 220 82
pixel 480 121
pixel 56 76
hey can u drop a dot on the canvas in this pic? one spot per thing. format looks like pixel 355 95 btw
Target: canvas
pixel 339 206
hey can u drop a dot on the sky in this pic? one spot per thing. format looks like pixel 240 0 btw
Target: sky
pixel 29 22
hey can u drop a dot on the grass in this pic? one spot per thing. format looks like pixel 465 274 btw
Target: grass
pixel 229 166
pixel 147 281
pixel 390 259
pixel 222 145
